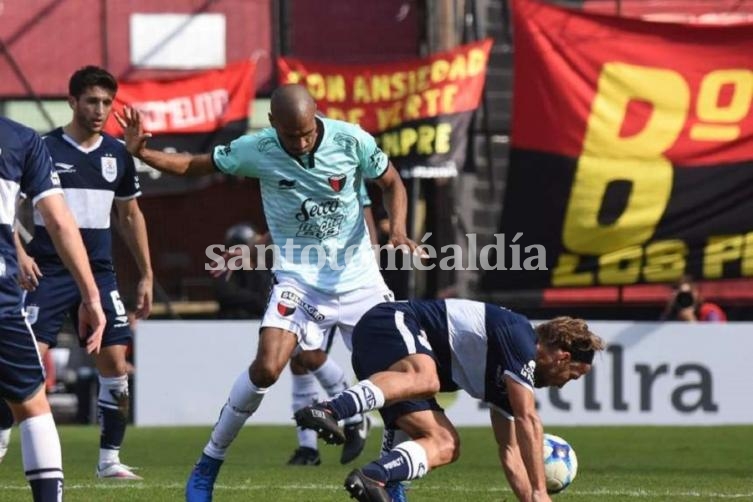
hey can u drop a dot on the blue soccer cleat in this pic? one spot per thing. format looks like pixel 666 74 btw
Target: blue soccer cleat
pixel 201 481
pixel 396 491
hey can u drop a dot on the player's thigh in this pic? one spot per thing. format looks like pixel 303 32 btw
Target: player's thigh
pixel 303 311
pixel 433 430
pixel 21 370
pixel 47 306
pixel 355 304
pixel 118 329
pixel 274 350
pixel 386 334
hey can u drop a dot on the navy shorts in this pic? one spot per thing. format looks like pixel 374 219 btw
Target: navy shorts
pixel 21 370
pixel 57 296
pixel 384 335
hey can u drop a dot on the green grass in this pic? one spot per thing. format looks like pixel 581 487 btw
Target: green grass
pixel 616 463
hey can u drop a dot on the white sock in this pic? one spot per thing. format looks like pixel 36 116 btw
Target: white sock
pixel 366 396
pixel 243 401
pixel 391 438
pixel 4 442
pixel 40 448
pixel 107 456
pixel 305 393
pixel 417 460
pixel 332 378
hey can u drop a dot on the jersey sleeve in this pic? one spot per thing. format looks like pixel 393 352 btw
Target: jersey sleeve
pixel 238 158
pixel 39 178
pixel 363 195
pixel 372 159
pixel 129 186
pixel 512 353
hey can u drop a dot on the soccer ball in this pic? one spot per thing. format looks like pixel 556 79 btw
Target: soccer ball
pixel 560 463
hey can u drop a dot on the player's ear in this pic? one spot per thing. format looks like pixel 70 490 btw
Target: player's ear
pixel 72 102
pixel 271 119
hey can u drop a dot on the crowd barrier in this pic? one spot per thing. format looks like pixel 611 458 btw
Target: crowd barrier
pixel 651 374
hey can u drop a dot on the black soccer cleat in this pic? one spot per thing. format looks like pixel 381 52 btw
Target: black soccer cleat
pixel 355 440
pixel 305 456
pixel 365 489
pixel 319 418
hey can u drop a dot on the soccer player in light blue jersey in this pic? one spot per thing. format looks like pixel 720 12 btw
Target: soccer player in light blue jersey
pixel 25 165
pixel 310 170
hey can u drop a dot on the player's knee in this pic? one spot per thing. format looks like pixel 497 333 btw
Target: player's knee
pixel 264 373
pixel 448 446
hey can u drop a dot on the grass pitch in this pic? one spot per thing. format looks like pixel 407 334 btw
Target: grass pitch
pixel 636 464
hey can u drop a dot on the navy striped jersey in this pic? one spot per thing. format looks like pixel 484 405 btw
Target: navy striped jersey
pixel 477 344
pixel 91 178
pixel 25 166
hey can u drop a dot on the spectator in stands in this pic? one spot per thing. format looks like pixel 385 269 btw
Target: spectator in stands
pixel 243 293
pixel 687 304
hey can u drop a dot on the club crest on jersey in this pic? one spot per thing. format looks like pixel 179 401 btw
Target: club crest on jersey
pixel 109 168
pixel 285 308
pixel 337 182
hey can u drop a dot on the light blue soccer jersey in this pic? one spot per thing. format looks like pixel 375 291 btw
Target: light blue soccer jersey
pixel 312 203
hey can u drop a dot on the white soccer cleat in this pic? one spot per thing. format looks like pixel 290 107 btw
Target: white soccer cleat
pixel 4 442
pixel 116 470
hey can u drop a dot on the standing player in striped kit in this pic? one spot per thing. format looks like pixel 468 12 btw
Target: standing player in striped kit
pixel 25 166
pixel 96 173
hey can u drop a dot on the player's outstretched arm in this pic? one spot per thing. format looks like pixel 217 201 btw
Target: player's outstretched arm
pixel 181 164
pixel 396 204
pixel 67 239
pixel 509 455
pixel 529 434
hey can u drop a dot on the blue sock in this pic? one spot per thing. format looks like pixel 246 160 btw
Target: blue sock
pixel 342 406
pixel 6 416
pixel 391 467
pixel 361 397
pixel 113 427
pixel 46 489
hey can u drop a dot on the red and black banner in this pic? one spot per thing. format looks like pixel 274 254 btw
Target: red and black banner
pixel 632 151
pixel 419 110
pixel 191 114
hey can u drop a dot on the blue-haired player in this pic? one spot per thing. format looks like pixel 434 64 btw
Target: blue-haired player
pixel 97 175
pixel 310 170
pixel 25 165
pixel 406 352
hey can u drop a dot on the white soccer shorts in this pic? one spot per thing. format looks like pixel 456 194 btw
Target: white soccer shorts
pixel 310 314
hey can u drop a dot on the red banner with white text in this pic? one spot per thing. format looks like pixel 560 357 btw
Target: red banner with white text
pixel 190 114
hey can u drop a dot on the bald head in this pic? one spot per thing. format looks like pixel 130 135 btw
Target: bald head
pixel 292 101
pixel 293 116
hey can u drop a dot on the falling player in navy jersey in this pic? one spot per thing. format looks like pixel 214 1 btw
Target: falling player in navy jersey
pixel 406 352
pixel 25 165
pixel 96 172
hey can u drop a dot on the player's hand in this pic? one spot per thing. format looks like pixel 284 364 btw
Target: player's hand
pixel 402 242
pixel 144 297
pixel 91 325
pixel 28 273
pixel 133 131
